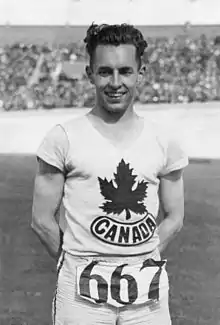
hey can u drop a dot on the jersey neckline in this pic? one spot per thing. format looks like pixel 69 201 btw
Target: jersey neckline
pixel 107 141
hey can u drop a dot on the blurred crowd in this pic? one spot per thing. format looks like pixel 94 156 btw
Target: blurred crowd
pixel 178 70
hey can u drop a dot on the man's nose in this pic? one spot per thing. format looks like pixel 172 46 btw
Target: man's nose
pixel 115 80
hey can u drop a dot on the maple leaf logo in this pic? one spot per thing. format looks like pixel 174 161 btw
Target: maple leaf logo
pixel 123 197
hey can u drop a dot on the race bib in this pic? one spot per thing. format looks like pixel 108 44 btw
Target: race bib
pixel 123 284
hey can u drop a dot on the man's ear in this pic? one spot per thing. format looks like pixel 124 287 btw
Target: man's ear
pixel 141 74
pixel 89 73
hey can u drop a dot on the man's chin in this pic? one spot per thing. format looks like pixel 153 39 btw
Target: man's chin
pixel 119 106
pixel 116 108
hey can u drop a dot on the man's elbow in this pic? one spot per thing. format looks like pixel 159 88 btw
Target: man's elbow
pixel 176 220
pixel 179 225
pixel 42 222
pixel 35 224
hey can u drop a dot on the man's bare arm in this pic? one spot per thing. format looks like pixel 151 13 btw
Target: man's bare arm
pixel 172 201
pixel 48 193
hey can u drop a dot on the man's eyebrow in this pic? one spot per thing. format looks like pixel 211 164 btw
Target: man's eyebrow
pixel 126 68
pixel 110 68
pixel 104 67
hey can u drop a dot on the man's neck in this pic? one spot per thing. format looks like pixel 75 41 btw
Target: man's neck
pixel 113 118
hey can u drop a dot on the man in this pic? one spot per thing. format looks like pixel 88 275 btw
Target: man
pixel 107 167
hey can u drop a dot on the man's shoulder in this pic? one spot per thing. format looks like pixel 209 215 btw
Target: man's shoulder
pixel 74 123
pixel 163 133
pixel 59 132
pixel 155 127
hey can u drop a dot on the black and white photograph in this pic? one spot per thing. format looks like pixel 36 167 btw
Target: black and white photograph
pixel 109 162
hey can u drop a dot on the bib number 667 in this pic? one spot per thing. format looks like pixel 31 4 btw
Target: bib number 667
pixel 115 283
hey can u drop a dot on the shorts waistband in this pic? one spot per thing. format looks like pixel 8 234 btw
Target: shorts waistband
pixel 133 259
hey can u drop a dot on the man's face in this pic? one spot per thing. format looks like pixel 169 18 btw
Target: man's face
pixel 115 74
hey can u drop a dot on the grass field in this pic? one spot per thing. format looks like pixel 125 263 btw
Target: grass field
pixel 27 275
pixel 65 34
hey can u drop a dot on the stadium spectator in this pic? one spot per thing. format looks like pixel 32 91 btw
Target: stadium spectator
pixel 179 70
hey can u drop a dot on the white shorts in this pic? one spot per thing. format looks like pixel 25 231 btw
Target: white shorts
pixel 107 297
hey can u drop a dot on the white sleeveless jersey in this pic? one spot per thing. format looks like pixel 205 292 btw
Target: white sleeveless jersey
pixel 111 195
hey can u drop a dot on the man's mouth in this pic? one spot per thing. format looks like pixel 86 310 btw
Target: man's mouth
pixel 115 95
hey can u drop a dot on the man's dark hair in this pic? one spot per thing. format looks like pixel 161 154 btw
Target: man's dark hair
pixel 114 35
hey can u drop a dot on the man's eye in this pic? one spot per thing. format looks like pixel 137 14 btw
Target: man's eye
pixel 126 72
pixel 104 73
